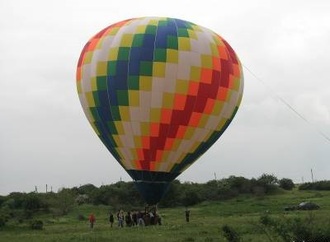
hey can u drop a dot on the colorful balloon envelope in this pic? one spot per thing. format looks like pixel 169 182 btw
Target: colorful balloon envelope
pixel 158 92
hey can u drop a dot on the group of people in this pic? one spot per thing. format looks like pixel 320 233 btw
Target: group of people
pixel 135 218
pixel 132 218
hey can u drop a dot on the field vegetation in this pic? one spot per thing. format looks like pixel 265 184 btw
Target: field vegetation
pixel 231 209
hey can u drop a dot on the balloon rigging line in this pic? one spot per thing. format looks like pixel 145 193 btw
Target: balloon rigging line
pixel 283 101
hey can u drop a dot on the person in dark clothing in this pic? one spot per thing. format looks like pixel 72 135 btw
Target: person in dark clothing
pixel 140 219
pixel 111 219
pixel 187 215
pixel 128 219
pixel 134 218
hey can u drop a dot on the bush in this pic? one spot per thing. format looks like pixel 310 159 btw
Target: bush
pixel 31 202
pixel 63 202
pixel 14 200
pixel 295 229
pixel 37 225
pixel 191 198
pixel 230 234
pixel 286 184
pixel 87 189
pixel 268 182
pixel 241 184
pixel 320 186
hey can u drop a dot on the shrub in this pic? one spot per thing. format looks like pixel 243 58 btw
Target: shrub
pixel 191 198
pixel 241 184
pixel 31 202
pixel 63 202
pixel 295 229
pixel 320 185
pixel 14 200
pixel 286 184
pixel 268 182
pixel 37 225
pixel 230 234
pixel 87 189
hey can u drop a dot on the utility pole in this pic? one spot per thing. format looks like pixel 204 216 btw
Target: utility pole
pixel 312 175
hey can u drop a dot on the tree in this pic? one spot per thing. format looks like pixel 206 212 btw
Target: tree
pixel 15 200
pixel 64 201
pixel 31 202
pixel 241 184
pixel 286 184
pixel 210 190
pixel 190 194
pixel 87 189
pixel 269 182
pixel 173 195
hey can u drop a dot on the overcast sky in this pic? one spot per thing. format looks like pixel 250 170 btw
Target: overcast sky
pixel 46 139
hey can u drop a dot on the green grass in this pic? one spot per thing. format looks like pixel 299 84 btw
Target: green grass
pixel 205 224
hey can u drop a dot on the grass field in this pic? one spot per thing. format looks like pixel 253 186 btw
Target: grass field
pixel 206 221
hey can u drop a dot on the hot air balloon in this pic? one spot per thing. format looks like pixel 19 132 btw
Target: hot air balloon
pixel 158 92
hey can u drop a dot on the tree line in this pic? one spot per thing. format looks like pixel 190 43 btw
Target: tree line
pixel 124 194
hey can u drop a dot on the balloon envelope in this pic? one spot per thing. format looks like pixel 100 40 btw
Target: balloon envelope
pixel 158 92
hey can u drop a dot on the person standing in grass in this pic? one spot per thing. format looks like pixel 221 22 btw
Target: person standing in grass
pixel 111 219
pixel 140 220
pixel 134 218
pixel 92 220
pixel 128 219
pixel 120 217
pixel 187 215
